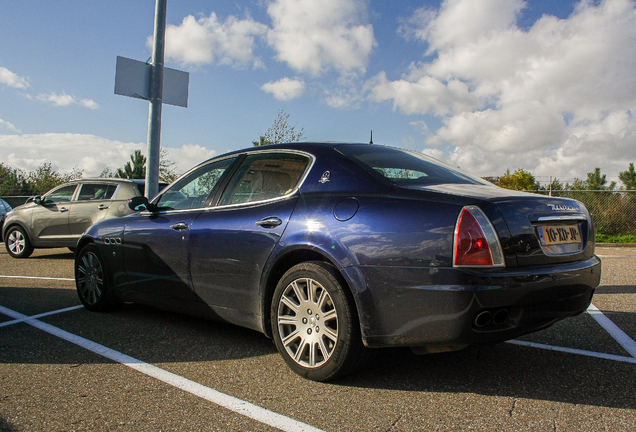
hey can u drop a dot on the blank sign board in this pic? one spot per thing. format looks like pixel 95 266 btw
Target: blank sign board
pixel 132 78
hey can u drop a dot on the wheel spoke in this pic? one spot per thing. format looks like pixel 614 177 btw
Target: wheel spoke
pixel 329 333
pixel 299 293
pixel 312 354
pixel 290 304
pixel 290 338
pixel 329 315
pixel 287 320
pixel 323 348
pixel 301 349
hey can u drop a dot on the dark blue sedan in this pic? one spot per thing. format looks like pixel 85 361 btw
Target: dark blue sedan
pixel 331 249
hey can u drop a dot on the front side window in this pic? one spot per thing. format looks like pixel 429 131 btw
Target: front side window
pixel 61 195
pixel 265 176
pixel 93 191
pixel 194 190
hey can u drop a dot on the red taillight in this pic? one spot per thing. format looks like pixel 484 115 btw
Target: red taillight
pixel 474 236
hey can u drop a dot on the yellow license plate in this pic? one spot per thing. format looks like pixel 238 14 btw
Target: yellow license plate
pixel 562 234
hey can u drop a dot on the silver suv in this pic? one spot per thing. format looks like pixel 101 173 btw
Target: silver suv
pixel 58 218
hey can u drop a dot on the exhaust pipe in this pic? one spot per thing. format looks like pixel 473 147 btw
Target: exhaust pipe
pixel 500 317
pixel 483 319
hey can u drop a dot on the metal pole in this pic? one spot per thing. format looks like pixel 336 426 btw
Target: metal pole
pixel 156 96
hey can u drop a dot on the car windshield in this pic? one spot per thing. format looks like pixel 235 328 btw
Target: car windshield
pixel 407 168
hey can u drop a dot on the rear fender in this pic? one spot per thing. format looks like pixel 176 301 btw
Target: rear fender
pixel 283 258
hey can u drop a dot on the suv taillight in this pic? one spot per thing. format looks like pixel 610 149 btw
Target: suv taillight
pixel 476 242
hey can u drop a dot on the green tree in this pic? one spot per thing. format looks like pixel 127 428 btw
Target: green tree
pixel 597 181
pixel 135 169
pixel 628 177
pixel 44 178
pixel 280 131
pixel 12 182
pixel 554 186
pixel 519 180
pixel 166 168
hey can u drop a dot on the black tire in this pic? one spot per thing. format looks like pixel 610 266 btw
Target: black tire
pixel 17 243
pixel 91 280
pixel 314 323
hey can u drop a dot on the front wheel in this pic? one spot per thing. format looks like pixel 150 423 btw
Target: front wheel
pixel 314 323
pixel 90 279
pixel 17 243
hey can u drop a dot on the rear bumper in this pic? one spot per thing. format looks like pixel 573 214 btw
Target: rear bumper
pixel 447 308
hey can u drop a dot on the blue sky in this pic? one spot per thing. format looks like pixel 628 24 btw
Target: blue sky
pixel 488 85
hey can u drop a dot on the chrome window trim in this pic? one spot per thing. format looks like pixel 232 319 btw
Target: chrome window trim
pixel 310 165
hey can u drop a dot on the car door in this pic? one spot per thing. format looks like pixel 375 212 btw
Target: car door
pixel 49 219
pixel 90 207
pixel 230 244
pixel 156 244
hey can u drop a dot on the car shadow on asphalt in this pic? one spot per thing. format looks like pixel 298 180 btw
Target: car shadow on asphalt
pixel 5 426
pixel 155 336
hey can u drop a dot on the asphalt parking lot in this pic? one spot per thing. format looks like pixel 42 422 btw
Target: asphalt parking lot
pixel 63 368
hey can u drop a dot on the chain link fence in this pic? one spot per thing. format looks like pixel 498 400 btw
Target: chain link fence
pixel 613 212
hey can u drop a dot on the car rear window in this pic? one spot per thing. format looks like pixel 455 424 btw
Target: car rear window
pixel 407 168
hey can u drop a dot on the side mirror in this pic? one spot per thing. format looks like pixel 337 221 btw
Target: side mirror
pixel 140 203
pixel 38 200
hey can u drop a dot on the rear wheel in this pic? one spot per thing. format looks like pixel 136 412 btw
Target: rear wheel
pixel 91 281
pixel 314 323
pixel 17 243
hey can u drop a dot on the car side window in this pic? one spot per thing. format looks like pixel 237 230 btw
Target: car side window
pixel 95 191
pixel 265 176
pixel 194 190
pixel 61 195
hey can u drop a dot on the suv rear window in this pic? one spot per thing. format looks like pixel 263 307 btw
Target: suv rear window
pixel 407 168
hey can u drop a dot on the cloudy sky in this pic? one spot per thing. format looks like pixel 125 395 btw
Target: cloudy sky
pixel 488 85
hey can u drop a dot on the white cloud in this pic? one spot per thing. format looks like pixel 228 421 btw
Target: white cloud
pixel 89 153
pixel 66 100
pixel 6 125
pixel 314 36
pixel 207 40
pixel 188 156
pixel 554 98
pixel 12 80
pixel 285 89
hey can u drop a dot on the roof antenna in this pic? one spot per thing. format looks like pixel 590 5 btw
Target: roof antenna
pixel 371 141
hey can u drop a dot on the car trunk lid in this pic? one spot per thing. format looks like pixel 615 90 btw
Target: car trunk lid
pixel 541 229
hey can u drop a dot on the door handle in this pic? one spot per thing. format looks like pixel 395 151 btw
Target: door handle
pixel 63 209
pixel 269 222
pixel 103 207
pixel 179 226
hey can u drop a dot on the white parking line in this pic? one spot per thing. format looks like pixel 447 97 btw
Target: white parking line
pixel 574 351
pixel 16 321
pixel 618 334
pixel 233 404
pixel 36 277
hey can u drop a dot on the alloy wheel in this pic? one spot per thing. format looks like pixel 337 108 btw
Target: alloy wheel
pixel 90 278
pixel 307 322
pixel 16 242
